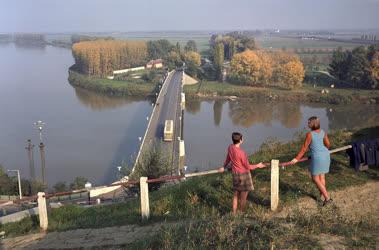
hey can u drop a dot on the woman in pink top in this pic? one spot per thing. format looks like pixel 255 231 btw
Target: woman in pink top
pixel 242 182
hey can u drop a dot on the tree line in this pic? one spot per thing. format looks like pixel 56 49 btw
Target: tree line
pixel 9 185
pixel 261 68
pixel 358 68
pixel 102 57
pixel 251 66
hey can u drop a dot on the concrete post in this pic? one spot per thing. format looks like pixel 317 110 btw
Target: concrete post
pixel 42 210
pixel 274 184
pixel 144 189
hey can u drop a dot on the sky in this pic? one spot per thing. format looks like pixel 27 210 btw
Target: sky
pixel 158 15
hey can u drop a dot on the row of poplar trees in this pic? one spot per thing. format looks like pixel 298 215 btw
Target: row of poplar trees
pixel 102 57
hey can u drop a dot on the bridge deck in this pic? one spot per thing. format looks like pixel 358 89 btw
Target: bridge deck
pixel 167 108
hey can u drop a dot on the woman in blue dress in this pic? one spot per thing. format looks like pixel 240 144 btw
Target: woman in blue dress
pixel 318 142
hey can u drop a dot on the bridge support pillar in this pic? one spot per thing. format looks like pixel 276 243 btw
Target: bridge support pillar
pixel 144 189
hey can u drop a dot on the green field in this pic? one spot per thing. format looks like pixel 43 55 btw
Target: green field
pixel 292 43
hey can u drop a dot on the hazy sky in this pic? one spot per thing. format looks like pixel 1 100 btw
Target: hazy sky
pixel 141 15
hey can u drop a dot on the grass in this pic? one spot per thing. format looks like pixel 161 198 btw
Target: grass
pixel 136 87
pixel 303 231
pixel 202 206
pixel 307 93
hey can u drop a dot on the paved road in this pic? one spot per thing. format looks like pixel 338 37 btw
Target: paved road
pixel 168 108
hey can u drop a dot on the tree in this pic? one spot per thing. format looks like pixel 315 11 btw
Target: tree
pixel 173 60
pixel 158 48
pixel 102 57
pixel 375 67
pixel 291 74
pixel 218 58
pixel 288 70
pixel 60 187
pixel 154 163
pixel 190 46
pixel 78 183
pixel 193 61
pixel 245 68
pixel 177 48
pixel 357 68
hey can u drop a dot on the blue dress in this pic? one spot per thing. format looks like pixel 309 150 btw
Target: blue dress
pixel 320 155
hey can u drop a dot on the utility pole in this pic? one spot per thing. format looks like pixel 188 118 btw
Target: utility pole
pixel 39 125
pixel 30 148
pixel 19 181
pixel 43 167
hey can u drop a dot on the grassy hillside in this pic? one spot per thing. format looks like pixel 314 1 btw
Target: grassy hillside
pixel 202 207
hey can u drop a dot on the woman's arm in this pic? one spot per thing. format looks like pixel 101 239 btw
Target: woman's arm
pixel 227 160
pixel 304 148
pixel 326 141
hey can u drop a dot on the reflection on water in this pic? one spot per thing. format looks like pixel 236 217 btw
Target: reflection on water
pixel 193 106
pixel 217 111
pixel 85 134
pixel 100 102
pixel 246 114
pixel 206 138
pixel 350 116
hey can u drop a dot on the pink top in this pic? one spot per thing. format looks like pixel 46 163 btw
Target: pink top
pixel 238 158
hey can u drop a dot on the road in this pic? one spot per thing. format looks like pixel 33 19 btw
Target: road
pixel 167 108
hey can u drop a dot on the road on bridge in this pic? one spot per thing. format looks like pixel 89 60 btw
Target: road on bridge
pixel 167 108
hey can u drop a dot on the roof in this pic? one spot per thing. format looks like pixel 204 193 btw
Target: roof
pixel 157 61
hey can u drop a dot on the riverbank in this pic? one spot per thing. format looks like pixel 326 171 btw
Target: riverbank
pixel 213 90
pixel 202 207
pixel 111 87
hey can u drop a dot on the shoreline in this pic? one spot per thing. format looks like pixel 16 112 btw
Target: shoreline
pixel 226 91
pixel 110 87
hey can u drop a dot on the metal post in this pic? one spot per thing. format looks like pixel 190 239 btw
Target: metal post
pixel 30 148
pixel 18 180
pixel 19 183
pixel 43 167
pixel 274 184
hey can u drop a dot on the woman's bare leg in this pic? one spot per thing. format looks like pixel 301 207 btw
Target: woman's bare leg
pixel 235 202
pixel 317 180
pixel 243 198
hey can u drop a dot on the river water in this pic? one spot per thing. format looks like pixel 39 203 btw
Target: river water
pixel 89 135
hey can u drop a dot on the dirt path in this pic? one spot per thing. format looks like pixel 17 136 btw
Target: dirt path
pixel 353 202
pixel 101 238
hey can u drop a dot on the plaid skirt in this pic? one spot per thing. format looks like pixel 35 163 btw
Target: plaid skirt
pixel 242 182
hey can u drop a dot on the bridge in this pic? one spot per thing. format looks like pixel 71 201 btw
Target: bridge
pixel 168 106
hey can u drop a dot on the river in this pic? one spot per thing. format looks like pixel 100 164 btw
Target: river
pixel 89 135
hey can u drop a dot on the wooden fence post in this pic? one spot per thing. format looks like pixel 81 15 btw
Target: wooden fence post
pixel 144 189
pixel 42 210
pixel 274 184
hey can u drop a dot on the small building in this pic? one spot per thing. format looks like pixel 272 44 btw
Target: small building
pixel 154 64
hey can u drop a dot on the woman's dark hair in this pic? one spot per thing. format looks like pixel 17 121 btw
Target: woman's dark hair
pixel 314 123
pixel 236 137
